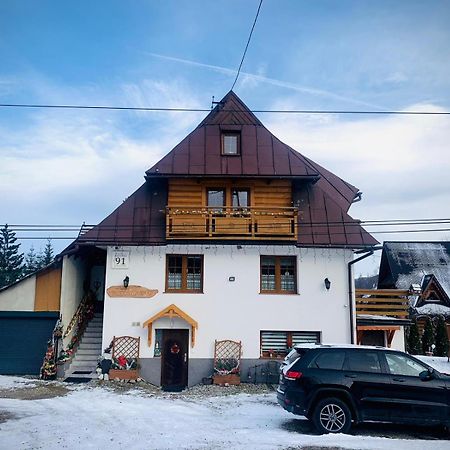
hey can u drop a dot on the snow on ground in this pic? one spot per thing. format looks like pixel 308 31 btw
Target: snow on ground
pixel 9 382
pixel 97 417
pixel 440 363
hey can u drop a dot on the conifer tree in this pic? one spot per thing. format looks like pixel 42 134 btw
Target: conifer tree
pixel 46 257
pixel 428 336
pixel 442 343
pixel 413 343
pixel 10 257
pixel 31 262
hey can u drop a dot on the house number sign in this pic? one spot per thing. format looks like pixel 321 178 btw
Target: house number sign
pixel 120 260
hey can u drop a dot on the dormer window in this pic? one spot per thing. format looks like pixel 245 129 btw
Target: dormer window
pixel 231 143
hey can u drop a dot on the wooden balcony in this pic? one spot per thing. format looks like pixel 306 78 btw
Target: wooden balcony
pixel 258 223
pixel 392 303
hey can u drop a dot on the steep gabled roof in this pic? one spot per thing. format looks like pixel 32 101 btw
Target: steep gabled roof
pixel 406 263
pixel 262 155
pixel 323 199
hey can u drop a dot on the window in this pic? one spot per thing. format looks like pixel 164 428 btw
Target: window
pixel 362 361
pixel 184 273
pixel 240 198
pixel 402 365
pixel 278 274
pixel 276 344
pixel 216 200
pixel 231 142
pixel 329 360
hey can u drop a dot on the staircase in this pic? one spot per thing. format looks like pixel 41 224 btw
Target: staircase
pixel 85 361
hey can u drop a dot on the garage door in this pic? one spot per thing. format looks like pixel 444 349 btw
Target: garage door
pixel 23 341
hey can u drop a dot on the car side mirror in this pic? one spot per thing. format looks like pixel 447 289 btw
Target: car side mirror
pixel 427 374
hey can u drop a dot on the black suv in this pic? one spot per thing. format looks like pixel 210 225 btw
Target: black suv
pixel 334 385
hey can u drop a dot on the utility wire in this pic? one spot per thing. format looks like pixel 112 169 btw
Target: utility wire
pixel 271 111
pixel 237 238
pixel 248 42
pixel 368 223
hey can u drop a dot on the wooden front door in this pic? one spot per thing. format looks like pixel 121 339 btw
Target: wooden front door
pixel 174 363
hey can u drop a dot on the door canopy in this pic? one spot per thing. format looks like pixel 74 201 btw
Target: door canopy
pixel 171 312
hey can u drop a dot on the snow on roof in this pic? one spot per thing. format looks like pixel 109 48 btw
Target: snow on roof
pixel 433 309
pixel 379 317
pixel 411 261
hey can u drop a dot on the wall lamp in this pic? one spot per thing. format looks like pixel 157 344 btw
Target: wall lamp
pixel 126 281
pixel 327 284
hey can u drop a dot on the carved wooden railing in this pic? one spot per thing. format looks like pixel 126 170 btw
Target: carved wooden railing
pixel 382 302
pixel 275 223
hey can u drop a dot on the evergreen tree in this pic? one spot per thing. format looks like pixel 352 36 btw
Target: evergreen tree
pixel 442 343
pixel 428 336
pixel 46 257
pixel 413 344
pixel 10 258
pixel 31 262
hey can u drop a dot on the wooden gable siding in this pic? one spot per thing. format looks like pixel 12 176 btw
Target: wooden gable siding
pixel 275 193
pixel 48 290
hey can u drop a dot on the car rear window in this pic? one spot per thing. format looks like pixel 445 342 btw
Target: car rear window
pixel 329 360
pixel 361 361
pixel 294 354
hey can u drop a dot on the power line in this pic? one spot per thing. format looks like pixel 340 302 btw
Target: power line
pixel 367 223
pixel 257 111
pixel 246 46
pixel 316 234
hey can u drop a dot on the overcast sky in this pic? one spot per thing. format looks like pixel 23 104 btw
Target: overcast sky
pixel 66 167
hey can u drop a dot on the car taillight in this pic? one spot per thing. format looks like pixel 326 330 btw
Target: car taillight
pixel 293 375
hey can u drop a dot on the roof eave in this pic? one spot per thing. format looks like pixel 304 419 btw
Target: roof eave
pixel 313 178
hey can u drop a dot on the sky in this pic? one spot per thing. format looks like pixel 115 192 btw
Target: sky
pixel 73 166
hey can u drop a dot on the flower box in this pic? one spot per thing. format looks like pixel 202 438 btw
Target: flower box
pixel 131 374
pixel 231 379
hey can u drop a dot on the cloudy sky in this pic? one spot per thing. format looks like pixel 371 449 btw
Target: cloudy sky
pixel 66 167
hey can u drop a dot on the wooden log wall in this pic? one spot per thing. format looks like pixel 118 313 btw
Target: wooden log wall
pixel 263 193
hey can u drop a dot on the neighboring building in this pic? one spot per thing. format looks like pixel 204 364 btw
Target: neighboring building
pixel 425 265
pixel 29 310
pixel 233 235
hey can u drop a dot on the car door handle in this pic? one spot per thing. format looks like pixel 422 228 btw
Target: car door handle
pixel 350 375
pixel 400 380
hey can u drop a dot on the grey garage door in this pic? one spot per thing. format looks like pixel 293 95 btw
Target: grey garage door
pixel 23 340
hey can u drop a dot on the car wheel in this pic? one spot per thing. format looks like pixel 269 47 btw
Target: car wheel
pixel 332 415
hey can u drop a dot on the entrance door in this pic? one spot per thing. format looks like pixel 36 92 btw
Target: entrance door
pixel 174 363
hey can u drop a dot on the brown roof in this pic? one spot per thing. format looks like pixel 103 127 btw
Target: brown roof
pixel 323 198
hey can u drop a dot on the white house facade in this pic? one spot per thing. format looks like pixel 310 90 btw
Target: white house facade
pixel 230 304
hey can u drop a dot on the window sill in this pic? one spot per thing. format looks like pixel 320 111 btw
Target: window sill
pixel 182 291
pixel 278 293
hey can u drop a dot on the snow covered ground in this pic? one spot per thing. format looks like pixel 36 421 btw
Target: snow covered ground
pixel 51 415
pixel 115 416
pixel 441 364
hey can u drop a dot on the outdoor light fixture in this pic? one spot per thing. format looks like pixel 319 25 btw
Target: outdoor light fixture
pixel 327 284
pixel 126 281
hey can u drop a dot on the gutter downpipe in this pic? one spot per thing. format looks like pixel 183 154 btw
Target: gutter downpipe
pixel 350 287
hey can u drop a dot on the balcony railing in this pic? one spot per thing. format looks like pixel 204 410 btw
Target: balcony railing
pixel 231 223
pixel 392 303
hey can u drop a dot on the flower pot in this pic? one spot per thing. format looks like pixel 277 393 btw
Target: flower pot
pixel 131 374
pixel 231 379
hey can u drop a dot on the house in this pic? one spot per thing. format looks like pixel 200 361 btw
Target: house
pixel 425 265
pixel 233 236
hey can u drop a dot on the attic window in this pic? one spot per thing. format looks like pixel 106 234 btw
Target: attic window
pixel 231 143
